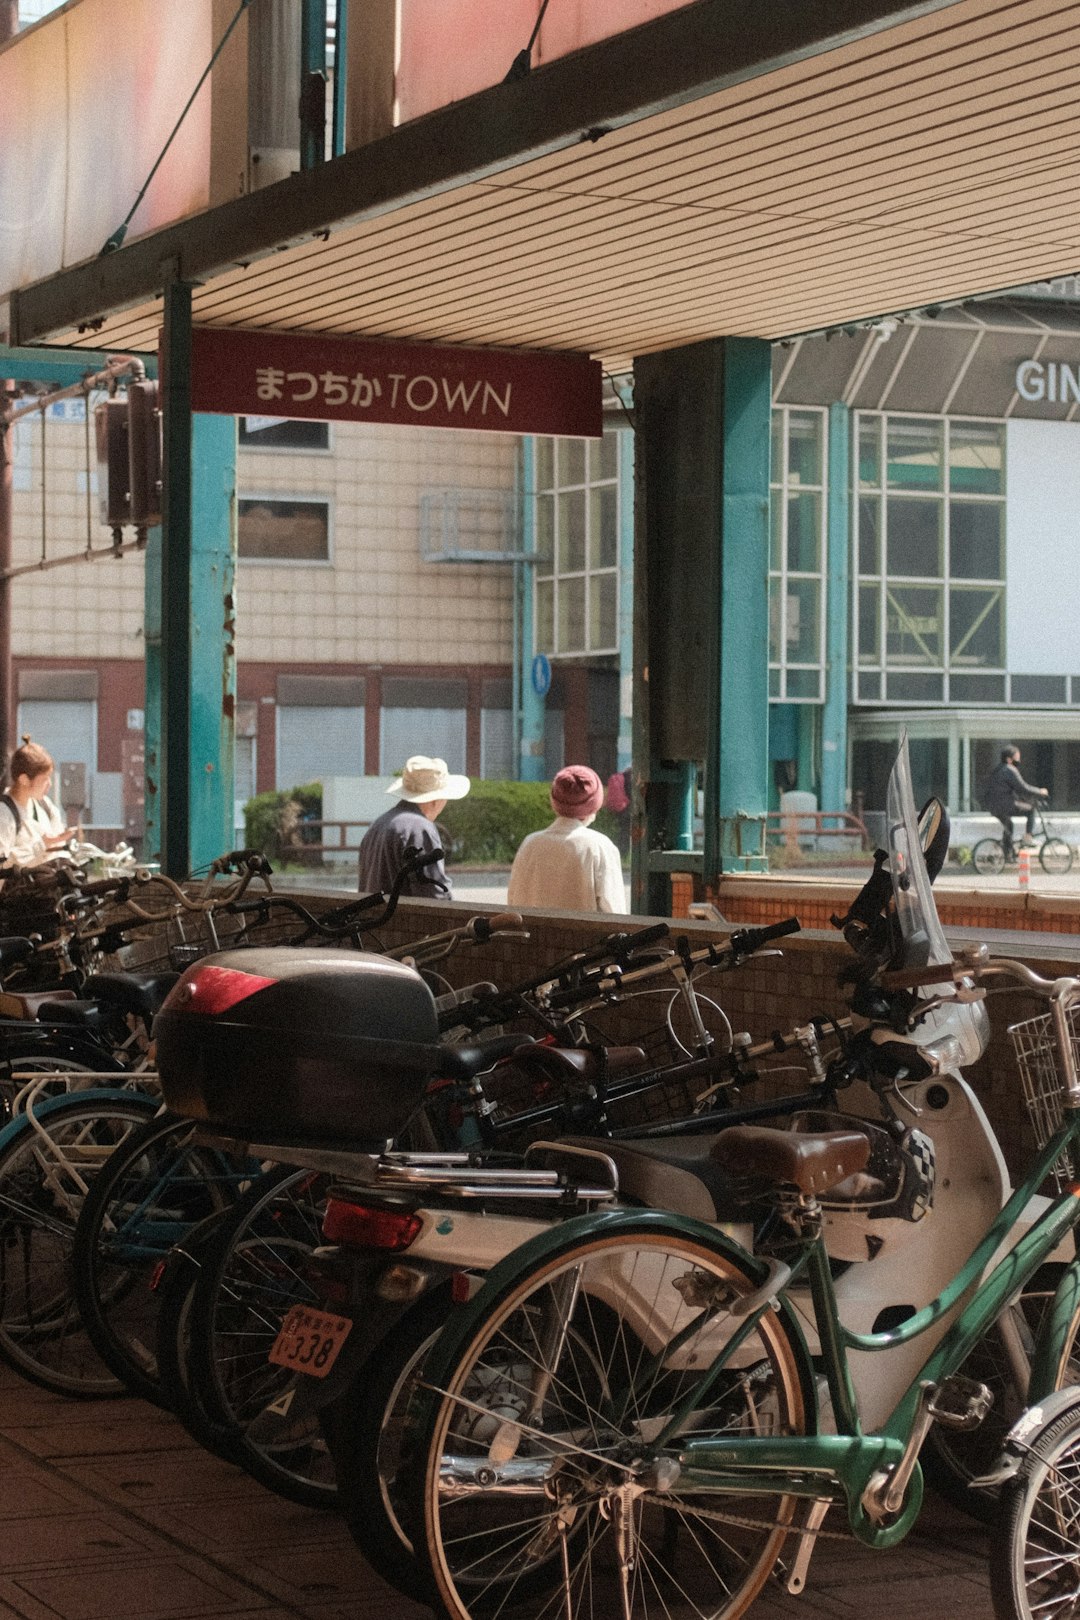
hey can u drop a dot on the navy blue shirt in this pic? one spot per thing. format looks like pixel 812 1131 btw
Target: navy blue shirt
pixel 398 833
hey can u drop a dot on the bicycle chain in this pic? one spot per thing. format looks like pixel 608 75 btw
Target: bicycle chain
pixel 743 1523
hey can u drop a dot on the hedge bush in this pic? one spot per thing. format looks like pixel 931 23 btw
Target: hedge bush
pixel 273 821
pixel 485 828
pixel 488 825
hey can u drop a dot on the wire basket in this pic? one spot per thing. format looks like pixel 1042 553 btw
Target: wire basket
pixel 1035 1044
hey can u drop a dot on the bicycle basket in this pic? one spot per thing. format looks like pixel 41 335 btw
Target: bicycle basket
pixel 1035 1045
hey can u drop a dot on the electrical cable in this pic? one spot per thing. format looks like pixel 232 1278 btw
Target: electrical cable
pixel 521 66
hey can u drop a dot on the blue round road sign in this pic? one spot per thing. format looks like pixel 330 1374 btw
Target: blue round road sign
pixel 541 675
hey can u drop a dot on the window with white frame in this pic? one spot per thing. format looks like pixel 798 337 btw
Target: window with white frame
pixel 797 515
pixel 929 560
pixel 577 542
pixel 273 528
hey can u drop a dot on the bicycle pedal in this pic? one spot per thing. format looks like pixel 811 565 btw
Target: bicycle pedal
pixel 960 1403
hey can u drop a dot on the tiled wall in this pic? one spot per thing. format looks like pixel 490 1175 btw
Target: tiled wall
pixel 378 602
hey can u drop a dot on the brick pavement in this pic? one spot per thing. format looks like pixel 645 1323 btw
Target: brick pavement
pixel 111 1513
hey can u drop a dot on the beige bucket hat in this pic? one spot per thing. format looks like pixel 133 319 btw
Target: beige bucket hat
pixel 425 779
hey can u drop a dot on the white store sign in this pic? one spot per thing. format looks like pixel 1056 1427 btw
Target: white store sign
pixel 1054 381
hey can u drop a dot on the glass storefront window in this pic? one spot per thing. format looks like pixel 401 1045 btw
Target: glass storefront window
pixel 576 508
pixel 796 555
pixel 914 452
pixel 928 559
pixel 914 541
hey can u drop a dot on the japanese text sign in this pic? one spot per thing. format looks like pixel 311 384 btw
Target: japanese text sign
pixel 285 374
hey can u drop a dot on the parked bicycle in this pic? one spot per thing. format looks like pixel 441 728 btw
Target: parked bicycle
pixel 990 856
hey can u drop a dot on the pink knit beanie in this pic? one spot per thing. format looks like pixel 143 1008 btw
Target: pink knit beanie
pixel 577 791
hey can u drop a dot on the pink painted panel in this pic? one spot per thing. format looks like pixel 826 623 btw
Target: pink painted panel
pixel 452 48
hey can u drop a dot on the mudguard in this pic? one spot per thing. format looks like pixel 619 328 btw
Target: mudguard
pixel 564 1234
pixel 373 1319
pixel 42 1110
pixel 1043 1382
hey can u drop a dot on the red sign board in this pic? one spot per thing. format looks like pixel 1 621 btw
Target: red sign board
pixel 286 374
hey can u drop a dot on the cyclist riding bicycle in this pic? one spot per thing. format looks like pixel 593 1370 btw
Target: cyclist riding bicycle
pixel 1007 795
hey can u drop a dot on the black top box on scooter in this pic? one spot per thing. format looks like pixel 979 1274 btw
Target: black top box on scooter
pixel 300 1045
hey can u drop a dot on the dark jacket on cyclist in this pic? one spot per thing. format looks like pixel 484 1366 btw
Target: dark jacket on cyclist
pixel 1008 795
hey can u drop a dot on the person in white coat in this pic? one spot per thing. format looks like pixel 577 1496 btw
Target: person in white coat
pixel 30 824
pixel 569 864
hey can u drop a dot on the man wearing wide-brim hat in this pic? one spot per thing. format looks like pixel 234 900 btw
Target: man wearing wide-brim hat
pixel 423 791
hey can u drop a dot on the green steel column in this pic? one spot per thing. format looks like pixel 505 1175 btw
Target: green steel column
pixel 624 440
pixel 737 765
pixel 213 637
pixel 175 774
pixel 152 698
pixel 312 83
pixel 834 772
pixel 532 766
pixel 341 75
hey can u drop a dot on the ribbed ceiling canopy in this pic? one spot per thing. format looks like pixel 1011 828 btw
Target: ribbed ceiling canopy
pixel 921 164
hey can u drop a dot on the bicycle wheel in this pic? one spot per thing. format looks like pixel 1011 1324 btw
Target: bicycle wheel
pixel 988 856
pixel 1035 1556
pixel 46 1165
pixel 146 1198
pixel 952 1458
pixel 543 1480
pixel 365 1430
pixel 1056 857
pixel 252 1275
pixel 173 1339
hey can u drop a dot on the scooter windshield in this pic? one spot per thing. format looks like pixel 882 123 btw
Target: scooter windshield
pixel 965 1023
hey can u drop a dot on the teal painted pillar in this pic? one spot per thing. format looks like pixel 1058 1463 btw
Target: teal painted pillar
pixel 197 615
pixel 834 765
pixel 737 765
pixel 175 762
pixel 152 698
pixel 532 765
pixel 213 638
pixel 625 452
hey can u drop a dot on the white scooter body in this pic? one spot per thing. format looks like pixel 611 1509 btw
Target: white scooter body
pixel 972 1185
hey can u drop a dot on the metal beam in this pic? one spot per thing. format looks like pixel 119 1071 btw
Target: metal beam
pixel 675 59
pixel 64 368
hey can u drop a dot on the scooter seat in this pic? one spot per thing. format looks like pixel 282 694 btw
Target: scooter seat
pixel 673 1173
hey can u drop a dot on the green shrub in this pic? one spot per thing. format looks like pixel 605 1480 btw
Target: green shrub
pixel 273 821
pixel 489 824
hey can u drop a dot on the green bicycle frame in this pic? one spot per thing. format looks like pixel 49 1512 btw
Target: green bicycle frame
pixel 841 1465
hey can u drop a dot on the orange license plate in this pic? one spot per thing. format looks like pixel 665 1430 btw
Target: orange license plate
pixel 309 1341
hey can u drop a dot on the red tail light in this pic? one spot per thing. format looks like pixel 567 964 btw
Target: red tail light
pixel 363 1227
pixel 213 990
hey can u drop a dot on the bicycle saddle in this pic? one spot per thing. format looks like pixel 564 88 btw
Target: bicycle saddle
pixel 464 1062
pixel 138 993
pixel 583 1063
pixel 812 1163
